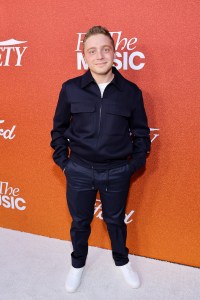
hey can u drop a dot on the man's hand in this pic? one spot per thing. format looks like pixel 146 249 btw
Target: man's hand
pixel 137 162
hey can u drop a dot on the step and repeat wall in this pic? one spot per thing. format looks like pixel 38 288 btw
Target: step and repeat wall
pixel 156 47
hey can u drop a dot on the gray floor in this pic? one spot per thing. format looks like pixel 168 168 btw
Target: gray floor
pixel 35 267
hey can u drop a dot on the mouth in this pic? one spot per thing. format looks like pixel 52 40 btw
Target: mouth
pixel 101 64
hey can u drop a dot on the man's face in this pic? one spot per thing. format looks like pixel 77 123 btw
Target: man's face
pixel 99 54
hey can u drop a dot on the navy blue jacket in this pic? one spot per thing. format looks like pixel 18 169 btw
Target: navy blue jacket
pixel 108 129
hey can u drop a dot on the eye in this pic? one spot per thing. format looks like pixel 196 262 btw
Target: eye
pixel 92 51
pixel 107 49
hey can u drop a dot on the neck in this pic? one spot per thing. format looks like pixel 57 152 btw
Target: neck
pixel 103 78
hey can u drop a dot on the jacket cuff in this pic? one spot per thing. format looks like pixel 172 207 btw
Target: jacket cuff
pixel 137 161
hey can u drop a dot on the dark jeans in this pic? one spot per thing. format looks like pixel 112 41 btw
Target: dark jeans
pixel 82 186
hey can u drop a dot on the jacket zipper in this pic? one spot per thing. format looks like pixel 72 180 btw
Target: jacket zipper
pixel 100 115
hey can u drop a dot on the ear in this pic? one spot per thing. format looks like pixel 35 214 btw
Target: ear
pixel 85 60
pixel 83 55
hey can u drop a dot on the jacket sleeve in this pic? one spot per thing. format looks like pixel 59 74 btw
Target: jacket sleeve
pixel 140 133
pixel 61 122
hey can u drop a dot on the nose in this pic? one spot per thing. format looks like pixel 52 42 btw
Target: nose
pixel 99 54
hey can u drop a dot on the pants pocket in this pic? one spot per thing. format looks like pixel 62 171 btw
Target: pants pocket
pixel 67 166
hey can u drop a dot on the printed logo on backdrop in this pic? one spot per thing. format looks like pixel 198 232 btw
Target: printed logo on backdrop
pixel 7 133
pixel 155 134
pixel 98 212
pixel 11 53
pixel 127 54
pixel 10 197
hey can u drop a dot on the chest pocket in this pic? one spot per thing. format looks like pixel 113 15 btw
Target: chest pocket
pixel 82 120
pixel 117 120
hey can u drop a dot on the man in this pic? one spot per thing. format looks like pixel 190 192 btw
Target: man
pixel 100 116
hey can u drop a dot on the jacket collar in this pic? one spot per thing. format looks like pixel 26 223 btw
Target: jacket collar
pixel 118 79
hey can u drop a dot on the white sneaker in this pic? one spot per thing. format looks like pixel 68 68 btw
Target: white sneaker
pixel 130 276
pixel 73 279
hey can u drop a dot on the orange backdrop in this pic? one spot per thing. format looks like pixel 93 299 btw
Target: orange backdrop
pixel 158 50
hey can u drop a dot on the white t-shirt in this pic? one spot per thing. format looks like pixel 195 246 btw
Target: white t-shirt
pixel 102 87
